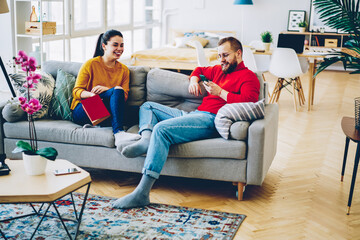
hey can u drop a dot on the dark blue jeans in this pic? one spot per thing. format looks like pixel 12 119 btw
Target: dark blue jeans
pixel 114 100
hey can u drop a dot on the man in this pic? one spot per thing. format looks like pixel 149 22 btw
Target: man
pixel 162 126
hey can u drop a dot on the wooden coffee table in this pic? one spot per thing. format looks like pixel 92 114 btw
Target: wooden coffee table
pixel 18 187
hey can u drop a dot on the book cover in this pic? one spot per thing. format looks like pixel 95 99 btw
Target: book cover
pixel 95 109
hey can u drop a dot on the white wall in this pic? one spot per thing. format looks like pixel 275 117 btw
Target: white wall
pixel 264 15
pixel 6 48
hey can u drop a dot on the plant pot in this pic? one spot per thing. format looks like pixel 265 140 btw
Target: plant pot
pixel 34 164
pixel 267 46
pixel 302 29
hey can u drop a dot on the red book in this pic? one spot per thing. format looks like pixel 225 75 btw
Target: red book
pixel 95 109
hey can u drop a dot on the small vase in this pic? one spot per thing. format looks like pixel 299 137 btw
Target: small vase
pixel 34 164
pixel 302 29
pixel 267 46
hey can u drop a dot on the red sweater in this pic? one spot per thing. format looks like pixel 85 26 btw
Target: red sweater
pixel 242 85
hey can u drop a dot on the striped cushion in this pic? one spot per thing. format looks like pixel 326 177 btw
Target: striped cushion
pixel 233 112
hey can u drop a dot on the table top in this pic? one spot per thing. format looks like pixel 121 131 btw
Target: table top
pixel 308 54
pixel 19 187
pixel 348 127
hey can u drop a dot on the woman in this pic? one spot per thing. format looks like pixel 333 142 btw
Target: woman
pixel 103 75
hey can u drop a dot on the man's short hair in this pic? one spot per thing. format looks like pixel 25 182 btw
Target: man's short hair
pixel 234 43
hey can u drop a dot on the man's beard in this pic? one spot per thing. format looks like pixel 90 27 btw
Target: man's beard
pixel 229 68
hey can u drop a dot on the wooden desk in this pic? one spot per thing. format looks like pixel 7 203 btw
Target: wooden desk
pixel 312 58
pixel 348 127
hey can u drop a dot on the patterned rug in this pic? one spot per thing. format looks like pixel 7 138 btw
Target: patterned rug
pixel 101 221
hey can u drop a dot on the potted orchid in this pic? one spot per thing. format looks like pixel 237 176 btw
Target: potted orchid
pixel 34 159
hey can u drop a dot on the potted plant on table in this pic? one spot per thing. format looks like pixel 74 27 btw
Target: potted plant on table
pixel 302 26
pixel 266 38
pixel 34 159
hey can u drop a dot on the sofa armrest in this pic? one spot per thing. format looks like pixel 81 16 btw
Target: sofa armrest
pixel 2 120
pixel 262 144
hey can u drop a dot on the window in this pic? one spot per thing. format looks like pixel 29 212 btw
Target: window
pixel 138 20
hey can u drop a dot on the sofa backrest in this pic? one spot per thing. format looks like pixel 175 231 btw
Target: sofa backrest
pixel 137 94
pixel 171 89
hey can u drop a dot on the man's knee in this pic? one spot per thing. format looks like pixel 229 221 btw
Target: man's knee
pixel 146 105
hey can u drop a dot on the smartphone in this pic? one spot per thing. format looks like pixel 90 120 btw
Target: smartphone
pixel 204 79
pixel 58 172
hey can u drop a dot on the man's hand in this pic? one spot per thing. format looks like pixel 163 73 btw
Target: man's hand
pixel 99 89
pixel 194 86
pixel 212 88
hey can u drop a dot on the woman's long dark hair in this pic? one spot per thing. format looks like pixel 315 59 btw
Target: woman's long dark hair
pixel 104 38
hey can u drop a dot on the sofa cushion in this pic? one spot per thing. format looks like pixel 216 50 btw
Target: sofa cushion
pixel 229 113
pixel 137 93
pixel 43 91
pixel 171 89
pixel 61 101
pixel 62 131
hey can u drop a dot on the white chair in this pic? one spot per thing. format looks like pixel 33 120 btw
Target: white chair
pixel 201 58
pixel 286 66
pixel 249 59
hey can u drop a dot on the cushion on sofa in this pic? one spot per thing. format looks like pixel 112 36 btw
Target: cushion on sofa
pixel 61 101
pixel 171 89
pixel 62 131
pixel 137 93
pixel 43 91
pixel 230 113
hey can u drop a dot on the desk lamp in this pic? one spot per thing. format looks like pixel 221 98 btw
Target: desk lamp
pixel 243 2
pixel 5 9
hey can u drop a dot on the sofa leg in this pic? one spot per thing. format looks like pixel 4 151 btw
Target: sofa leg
pixel 240 189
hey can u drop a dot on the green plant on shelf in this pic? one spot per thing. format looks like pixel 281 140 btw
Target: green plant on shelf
pixel 266 37
pixel 303 24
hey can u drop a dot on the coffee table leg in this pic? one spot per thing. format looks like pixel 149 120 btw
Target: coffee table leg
pixel 82 209
pixel 47 209
pixel 356 164
pixel 347 140
pixel 3 235
pixel 62 221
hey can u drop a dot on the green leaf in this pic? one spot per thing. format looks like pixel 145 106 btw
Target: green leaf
pixel 49 153
pixel 22 146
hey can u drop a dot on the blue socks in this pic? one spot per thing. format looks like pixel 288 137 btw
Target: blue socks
pixel 139 197
pixel 138 148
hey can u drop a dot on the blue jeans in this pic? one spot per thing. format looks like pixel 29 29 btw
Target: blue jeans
pixel 171 126
pixel 114 100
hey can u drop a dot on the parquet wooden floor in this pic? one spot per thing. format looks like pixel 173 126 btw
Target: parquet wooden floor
pixel 302 196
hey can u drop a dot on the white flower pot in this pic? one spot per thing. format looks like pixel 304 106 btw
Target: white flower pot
pixel 34 164
pixel 267 46
pixel 302 29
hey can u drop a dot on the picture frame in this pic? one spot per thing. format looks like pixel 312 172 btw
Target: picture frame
pixel 317 25
pixel 295 16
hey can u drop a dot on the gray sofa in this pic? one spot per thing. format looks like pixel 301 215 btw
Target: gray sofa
pixel 242 160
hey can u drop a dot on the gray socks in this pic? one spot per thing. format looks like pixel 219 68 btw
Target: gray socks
pixel 123 138
pixel 138 148
pixel 139 197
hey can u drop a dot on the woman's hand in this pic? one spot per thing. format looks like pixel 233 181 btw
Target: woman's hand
pixel 212 88
pixel 194 86
pixel 99 89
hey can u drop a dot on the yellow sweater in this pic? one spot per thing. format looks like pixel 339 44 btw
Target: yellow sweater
pixel 94 72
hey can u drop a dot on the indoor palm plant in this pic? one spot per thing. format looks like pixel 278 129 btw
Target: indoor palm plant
pixel 342 15
pixel 266 38
pixel 32 156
